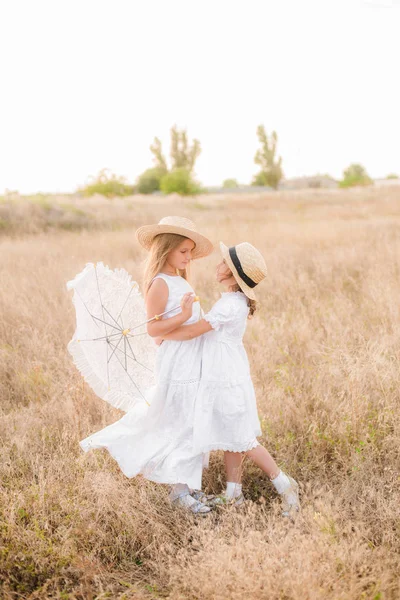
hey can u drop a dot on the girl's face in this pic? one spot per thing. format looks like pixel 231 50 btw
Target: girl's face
pixel 223 274
pixel 180 257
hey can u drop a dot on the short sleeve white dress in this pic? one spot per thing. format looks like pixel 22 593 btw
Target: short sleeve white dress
pixel 158 442
pixel 226 412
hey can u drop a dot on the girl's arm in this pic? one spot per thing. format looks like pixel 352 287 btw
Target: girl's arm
pixel 156 301
pixel 188 332
pixel 225 310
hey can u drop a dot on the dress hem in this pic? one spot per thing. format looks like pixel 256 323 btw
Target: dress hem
pixel 171 480
pixel 231 447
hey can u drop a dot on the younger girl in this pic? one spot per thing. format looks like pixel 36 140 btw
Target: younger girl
pixel 225 411
pixel 159 444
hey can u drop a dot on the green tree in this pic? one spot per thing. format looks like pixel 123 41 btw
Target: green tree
pixel 183 155
pixel 159 160
pixel 179 181
pixel 392 176
pixel 271 166
pixel 183 158
pixel 230 183
pixel 355 174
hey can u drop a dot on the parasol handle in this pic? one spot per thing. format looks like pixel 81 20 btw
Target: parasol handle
pixel 158 317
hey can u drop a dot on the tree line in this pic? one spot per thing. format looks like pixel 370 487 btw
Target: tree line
pixel 177 174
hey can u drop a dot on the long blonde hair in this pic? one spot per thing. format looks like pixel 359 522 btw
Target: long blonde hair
pixel 160 248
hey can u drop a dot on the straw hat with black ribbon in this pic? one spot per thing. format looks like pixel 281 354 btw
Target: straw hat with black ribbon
pixel 179 225
pixel 247 265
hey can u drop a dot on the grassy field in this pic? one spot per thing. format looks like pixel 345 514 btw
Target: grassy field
pixel 325 355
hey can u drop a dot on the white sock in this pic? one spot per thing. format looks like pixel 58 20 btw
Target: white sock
pixel 281 482
pixel 233 490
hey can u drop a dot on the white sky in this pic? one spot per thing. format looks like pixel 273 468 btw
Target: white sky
pixel 88 84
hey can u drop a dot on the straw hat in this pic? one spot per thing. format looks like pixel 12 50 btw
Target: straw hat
pixel 247 265
pixel 185 227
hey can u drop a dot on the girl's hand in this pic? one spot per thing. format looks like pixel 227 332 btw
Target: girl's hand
pixel 187 305
pixel 158 340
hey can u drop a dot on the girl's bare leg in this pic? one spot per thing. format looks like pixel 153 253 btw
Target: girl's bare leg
pixel 286 486
pixel 259 455
pixel 233 466
pixel 264 460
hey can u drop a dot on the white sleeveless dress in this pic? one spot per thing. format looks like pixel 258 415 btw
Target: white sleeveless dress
pixel 158 442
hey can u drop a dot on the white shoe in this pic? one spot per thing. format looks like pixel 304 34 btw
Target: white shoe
pixel 202 496
pixel 187 501
pixel 290 499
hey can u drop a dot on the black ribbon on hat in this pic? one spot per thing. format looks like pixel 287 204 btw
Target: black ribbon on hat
pixel 239 269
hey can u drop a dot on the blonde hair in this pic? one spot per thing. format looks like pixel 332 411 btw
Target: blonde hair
pixel 160 248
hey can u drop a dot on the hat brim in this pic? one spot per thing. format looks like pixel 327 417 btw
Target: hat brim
pixel 146 234
pixel 248 291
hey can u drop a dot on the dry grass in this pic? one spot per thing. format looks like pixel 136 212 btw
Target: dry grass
pixel 325 355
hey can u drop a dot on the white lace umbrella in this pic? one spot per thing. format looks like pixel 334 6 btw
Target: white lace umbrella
pixel 111 347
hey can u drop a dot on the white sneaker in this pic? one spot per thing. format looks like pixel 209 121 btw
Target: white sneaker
pixel 201 496
pixel 187 501
pixel 290 499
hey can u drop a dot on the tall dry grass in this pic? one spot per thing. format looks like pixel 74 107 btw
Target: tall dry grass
pixel 324 349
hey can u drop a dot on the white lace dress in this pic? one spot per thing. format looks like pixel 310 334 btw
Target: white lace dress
pixel 226 413
pixel 158 442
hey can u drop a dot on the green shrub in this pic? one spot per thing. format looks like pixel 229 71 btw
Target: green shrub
pixel 179 181
pixel 230 183
pixel 260 179
pixel 392 176
pixel 107 184
pixel 42 200
pixel 149 181
pixel 355 174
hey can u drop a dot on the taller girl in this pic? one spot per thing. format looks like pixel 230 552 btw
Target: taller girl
pixel 160 444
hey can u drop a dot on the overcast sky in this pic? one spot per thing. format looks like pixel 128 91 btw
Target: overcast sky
pixel 88 84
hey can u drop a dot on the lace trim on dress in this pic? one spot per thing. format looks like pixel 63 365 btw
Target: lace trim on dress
pixel 213 320
pixel 231 447
pixel 178 381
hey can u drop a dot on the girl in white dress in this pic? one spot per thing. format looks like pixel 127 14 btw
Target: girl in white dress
pixel 225 412
pixel 159 443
